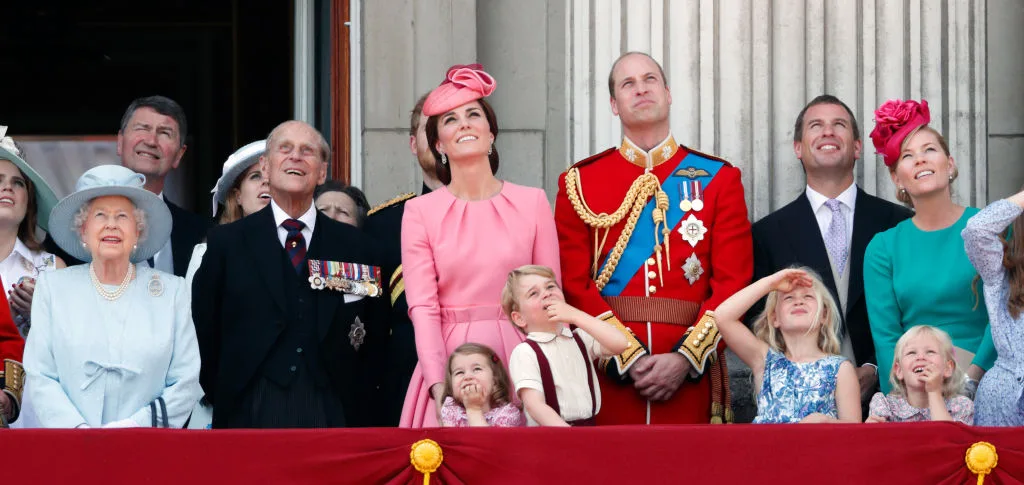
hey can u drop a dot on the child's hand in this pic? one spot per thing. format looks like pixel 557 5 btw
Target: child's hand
pixel 473 396
pixel 562 312
pixel 875 419
pixel 818 418
pixel 933 379
pixel 789 279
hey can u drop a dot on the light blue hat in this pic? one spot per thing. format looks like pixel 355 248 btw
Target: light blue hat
pixel 45 198
pixel 111 180
pixel 237 163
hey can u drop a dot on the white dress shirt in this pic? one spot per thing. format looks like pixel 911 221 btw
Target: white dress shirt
pixel 848 202
pixel 308 218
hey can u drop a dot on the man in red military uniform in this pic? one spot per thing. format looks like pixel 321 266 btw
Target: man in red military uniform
pixel 652 236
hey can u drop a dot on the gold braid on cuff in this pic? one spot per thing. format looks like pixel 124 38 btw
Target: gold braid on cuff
pixel 634 349
pixel 701 341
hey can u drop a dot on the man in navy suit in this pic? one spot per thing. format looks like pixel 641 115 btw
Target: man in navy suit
pixel 151 141
pixel 288 304
pixel 829 225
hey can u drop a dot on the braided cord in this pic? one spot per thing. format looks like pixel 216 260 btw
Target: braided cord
pixel 639 192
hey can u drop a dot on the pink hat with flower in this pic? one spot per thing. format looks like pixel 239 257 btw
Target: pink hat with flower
pixel 894 120
pixel 462 84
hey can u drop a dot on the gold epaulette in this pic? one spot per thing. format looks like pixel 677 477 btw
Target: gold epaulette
pixel 390 202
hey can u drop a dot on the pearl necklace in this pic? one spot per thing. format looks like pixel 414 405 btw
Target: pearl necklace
pixel 111 295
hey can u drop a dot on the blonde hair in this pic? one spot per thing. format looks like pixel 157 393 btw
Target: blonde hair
pixel 951 386
pixel 826 319
pixel 501 393
pixel 509 301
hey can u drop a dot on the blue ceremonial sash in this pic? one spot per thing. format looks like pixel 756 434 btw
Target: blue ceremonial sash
pixel 641 244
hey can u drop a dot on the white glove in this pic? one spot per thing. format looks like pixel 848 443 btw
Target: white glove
pixel 124 423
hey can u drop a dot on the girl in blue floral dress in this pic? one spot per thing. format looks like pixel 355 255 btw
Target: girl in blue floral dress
pixel 793 352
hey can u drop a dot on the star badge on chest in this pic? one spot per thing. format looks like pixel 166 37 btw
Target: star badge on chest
pixel 357 333
pixel 693 230
pixel 692 269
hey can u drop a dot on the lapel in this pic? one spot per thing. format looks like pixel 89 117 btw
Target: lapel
pixel 264 249
pixel 809 249
pixel 865 225
pixel 326 300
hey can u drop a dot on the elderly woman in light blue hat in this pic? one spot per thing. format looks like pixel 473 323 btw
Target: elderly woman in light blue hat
pixel 112 342
pixel 25 203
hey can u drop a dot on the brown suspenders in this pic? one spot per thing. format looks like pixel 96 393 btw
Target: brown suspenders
pixel 548 382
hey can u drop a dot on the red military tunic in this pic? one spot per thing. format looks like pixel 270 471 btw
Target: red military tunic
pixel 657 305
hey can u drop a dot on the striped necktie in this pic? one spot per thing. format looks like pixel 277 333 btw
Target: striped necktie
pixel 295 244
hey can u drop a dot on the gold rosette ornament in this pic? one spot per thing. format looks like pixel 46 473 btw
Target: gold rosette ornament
pixel 981 459
pixel 426 458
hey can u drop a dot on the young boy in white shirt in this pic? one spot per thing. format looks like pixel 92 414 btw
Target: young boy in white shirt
pixel 553 370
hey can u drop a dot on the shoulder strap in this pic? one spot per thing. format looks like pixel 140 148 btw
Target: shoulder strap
pixel 546 381
pixel 590 372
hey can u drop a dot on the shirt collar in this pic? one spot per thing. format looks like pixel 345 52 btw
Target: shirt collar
pixel 848 198
pixel 308 217
pixel 22 250
pixel 662 152
pixel 545 337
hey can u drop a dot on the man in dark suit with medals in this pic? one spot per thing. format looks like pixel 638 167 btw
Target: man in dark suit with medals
pixel 288 304
pixel 151 141
pixel 829 225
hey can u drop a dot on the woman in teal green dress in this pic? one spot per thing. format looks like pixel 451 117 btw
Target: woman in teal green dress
pixel 918 273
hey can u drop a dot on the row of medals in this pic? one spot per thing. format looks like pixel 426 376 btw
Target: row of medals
pixel 352 287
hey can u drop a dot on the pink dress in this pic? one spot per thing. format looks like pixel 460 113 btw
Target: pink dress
pixel 456 256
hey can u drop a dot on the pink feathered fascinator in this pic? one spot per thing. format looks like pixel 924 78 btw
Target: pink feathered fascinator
pixel 894 120
pixel 461 85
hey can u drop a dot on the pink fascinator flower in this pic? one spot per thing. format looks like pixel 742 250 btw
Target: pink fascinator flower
pixel 462 84
pixel 894 120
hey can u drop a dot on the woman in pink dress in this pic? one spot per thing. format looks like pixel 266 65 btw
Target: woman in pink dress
pixel 460 241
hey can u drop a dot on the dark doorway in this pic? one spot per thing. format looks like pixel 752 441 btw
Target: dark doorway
pixel 73 67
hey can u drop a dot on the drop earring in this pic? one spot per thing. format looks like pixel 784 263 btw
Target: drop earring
pixel 444 159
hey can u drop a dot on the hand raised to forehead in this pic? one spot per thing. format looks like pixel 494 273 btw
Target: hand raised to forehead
pixel 790 279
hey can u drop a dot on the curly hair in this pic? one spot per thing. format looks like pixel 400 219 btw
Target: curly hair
pixel 501 392
pixel 78 222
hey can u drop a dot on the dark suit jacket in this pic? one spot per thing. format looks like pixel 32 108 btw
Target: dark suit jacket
pixel 187 230
pixel 239 310
pixel 791 236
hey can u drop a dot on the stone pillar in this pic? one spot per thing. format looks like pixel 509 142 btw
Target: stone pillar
pixel 740 71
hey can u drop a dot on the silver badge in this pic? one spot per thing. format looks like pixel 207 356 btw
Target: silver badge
pixel 317 282
pixel 693 230
pixel 156 287
pixel 692 269
pixel 357 333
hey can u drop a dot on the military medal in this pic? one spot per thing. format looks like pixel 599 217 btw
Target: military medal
pixel 698 197
pixel 692 269
pixel 317 278
pixel 156 287
pixel 684 197
pixel 693 230
pixel 357 333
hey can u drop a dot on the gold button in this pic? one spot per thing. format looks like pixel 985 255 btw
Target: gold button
pixel 652 274
pixel 652 289
pixel 651 261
